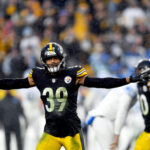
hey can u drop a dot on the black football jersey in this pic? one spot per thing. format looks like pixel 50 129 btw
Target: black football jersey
pixel 144 99
pixel 59 96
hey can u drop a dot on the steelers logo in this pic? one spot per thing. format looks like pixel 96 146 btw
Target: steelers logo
pixel 68 79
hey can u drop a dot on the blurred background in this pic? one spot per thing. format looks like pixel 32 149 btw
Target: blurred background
pixel 107 37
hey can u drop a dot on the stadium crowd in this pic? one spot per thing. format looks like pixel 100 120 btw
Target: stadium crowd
pixel 109 36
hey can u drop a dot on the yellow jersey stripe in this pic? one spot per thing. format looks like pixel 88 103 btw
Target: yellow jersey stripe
pixel 30 74
pixel 80 70
pixel 81 75
pixel 148 84
pixel 51 47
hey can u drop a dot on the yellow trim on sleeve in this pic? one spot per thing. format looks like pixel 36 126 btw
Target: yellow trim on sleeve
pixel 82 72
pixel 30 74
pixel 81 75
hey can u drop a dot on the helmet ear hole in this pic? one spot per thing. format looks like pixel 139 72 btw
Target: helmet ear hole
pixel 53 49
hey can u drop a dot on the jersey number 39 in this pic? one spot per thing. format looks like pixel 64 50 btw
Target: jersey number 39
pixel 61 96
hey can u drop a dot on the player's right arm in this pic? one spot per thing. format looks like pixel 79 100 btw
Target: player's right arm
pixel 8 84
pixel 31 81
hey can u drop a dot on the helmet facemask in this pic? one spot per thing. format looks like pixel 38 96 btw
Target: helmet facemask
pixel 56 53
pixel 55 67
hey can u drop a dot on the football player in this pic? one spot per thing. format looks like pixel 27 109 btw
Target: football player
pixel 111 116
pixel 143 141
pixel 58 86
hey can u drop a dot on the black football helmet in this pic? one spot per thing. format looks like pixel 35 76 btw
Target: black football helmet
pixel 142 66
pixel 50 50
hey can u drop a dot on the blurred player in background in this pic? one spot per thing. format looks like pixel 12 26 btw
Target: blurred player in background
pixel 11 110
pixel 58 86
pixel 133 126
pixel 143 141
pixel 109 118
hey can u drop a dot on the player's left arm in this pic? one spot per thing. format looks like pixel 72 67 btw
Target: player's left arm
pixel 83 79
pixel 109 82
pixel 102 82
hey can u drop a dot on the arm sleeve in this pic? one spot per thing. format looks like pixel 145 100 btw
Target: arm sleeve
pixel 104 82
pixel 7 84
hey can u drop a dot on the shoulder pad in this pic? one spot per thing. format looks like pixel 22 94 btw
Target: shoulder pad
pixel 34 70
pixel 79 71
pixel 30 73
pixel 39 68
pixel 75 67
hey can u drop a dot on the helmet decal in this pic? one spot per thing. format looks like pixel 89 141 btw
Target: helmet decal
pixel 51 47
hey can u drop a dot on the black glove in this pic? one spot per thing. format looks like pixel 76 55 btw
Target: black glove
pixel 145 75
pixel 135 79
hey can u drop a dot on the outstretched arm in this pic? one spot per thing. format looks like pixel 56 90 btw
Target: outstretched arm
pixel 7 84
pixel 105 82
pixel 102 82
pixel 111 82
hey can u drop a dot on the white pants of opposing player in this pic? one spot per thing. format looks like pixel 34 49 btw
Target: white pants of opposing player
pixel 101 132
pixel 131 130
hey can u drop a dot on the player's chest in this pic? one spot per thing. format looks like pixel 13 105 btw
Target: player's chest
pixel 144 100
pixel 66 81
pixel 144 90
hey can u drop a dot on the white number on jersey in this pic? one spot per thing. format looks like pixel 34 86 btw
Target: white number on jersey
pixel 143 104
pixel 59 99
